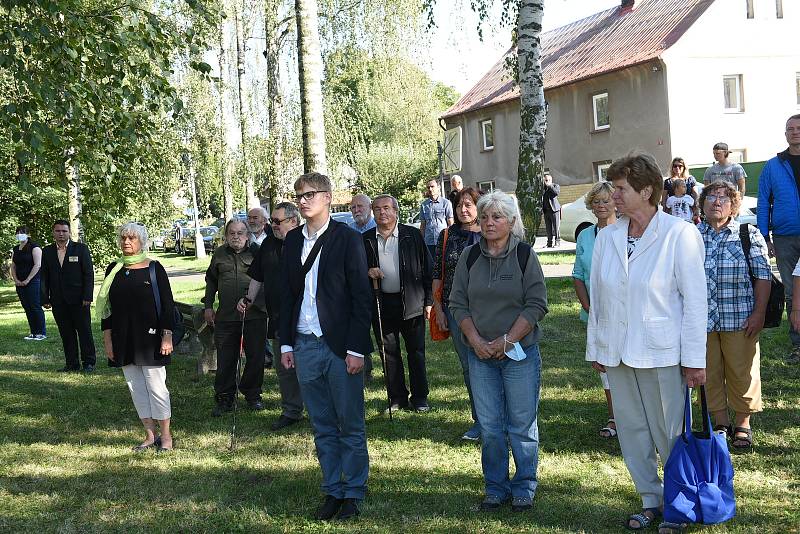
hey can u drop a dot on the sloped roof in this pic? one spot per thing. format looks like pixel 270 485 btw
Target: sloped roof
pixel 604 42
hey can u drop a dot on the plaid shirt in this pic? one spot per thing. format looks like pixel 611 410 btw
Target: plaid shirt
pixel 730 291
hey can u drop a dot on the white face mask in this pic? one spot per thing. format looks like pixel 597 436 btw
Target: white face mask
pixel 516 353
pixel 22 237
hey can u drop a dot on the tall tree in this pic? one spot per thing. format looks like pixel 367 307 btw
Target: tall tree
pixel 251 200
pixel 224 167
pixel 275 33
pixel 309 63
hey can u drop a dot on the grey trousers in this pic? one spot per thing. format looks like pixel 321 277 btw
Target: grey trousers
pixel 787 252
pixel 291 400
pixel 648 407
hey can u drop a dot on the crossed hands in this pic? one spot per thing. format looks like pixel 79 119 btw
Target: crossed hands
pixel 487 350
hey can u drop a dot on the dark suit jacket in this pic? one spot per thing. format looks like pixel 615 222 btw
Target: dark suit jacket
pixel 416 269
pixel 71 283
pixel 550 201
pixel 344 295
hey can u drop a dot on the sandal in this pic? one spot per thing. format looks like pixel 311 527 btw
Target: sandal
pixel 608 432
pixel 643 519
pixel 671 528
pixel 724 429
pixel 747 439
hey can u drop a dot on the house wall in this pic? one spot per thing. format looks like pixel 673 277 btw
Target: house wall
pixel 638 116
pixel 723 41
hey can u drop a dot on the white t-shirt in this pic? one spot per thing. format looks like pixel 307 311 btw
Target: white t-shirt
pixel 681 207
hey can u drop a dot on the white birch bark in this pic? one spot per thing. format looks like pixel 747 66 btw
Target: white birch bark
pixel 309 63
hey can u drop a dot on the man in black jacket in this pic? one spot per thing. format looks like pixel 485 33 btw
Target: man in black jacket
pixel 67 287
pixel 324 334
pixel 398 258
pixel 551 209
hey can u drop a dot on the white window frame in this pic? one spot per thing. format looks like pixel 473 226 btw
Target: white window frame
pixel 600 168
pixel 739 104
pixel 484 145
pixel 597 127
pixel 486 186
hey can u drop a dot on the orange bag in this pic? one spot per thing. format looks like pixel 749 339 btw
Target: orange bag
pixel 437 334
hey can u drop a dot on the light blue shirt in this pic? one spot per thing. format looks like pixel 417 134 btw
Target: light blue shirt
pixel 584 248
pixel 435 215
pixel 369 226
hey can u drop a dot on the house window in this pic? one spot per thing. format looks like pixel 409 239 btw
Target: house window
pixel 486 187
pixel 487 134
pixel 600 112
pixel 601 170
pixel 737 155
pixel 779 9
pixel 732 92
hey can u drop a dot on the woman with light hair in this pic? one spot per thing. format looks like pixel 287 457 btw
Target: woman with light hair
pixel 498 298
pixel 599 201
pixel 136 336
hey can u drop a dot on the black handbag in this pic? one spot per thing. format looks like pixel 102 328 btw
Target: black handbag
pixel 777 294
pixel 178 329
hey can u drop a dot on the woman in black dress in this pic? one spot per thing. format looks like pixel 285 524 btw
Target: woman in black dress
pixel 26 260
pixel 136 336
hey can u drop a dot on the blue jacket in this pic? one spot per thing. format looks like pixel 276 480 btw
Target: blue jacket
pixel 778 199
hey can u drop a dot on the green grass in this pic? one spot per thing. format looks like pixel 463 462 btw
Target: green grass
pixel 183 263
pixel 65 464
pixel 556 258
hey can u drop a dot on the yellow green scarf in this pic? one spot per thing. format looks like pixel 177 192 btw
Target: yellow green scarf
pixel 102 304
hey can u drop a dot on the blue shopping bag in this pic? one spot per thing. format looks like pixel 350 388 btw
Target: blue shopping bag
pixel 698 476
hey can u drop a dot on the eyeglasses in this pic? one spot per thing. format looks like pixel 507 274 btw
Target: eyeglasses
pixel 722 199
pixel 308 196
pixel 273 220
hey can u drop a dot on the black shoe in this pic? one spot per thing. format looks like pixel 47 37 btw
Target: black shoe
pixel 328 508
pixel 282 422
pixel 348 510
pixel 256 405
pixel 88 368
pixel 221 408
pixel 422 408
pixel 68 369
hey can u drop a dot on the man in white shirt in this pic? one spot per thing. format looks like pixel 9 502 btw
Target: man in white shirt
pixel 325 318
pixel 257 224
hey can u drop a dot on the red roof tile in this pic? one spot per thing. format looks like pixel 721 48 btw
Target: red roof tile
pixel 607 41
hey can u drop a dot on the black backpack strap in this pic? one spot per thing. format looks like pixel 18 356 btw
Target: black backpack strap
pixel 474 252
pixel 154 285
pixel 523 255
pixel 744 235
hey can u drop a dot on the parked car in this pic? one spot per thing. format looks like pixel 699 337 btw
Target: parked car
pixel 343 216
pixel 575 217
pixel 170 241
pixel 188 242
pixel 157 243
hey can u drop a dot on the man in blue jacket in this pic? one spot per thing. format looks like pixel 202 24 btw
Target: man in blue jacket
pixel 779 212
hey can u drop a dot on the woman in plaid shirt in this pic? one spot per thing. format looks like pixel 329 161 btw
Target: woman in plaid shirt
pixel 736 308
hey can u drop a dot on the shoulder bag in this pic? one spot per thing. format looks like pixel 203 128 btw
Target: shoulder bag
pixel 437 334
pixel 178 328
pixel 777 295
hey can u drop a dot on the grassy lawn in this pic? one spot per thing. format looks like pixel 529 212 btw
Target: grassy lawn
pixel 556 258
pixel 178 262
pixel 65 464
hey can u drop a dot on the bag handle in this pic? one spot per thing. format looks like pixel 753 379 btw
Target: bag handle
pixel 154 285
pixel 687 413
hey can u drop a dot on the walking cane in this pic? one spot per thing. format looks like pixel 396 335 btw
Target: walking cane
pixel 238 382
pixel 382 350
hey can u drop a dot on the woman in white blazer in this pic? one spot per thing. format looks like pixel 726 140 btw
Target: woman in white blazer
pixel 647 323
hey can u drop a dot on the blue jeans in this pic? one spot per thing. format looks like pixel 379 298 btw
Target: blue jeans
pixel 334 400
pixel 31 299
pixel 463 358
pixel 506 396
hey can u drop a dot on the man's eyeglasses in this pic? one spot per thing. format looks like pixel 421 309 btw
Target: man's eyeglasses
pixel 723 199
pixel 308 196
pixel 273 220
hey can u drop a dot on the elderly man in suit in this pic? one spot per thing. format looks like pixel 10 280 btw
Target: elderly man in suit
pixel 551 208
pixel 67 287
pixel 324 333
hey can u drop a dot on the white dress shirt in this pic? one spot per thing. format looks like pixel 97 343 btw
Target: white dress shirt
pixel 308 320
pixel 389 261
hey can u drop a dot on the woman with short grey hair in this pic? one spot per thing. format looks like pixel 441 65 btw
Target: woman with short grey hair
pixel 137 338
pixel 498 298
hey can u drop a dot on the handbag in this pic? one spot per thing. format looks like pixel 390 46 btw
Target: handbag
pixel 777 293
pixel 178 328
pixel 698 476
pixel 437 334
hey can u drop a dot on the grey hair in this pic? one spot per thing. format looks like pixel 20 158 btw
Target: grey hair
pixel 506 206
pixel 362 195
pixel 133 228
pixel 260 209
pixel 395 204
pixel 456 177
pixel 289 210
pixel 598 189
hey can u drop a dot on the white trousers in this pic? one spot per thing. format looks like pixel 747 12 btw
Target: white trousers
pixel 148 387
pixel 648 407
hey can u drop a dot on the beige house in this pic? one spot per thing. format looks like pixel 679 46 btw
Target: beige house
pixel 670 77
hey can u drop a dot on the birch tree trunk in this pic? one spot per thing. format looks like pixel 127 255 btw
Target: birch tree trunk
pixel 73 195
pixel 533 116
pixel 309 63
pixel 274 100
pixel 249 197
pixel 224 164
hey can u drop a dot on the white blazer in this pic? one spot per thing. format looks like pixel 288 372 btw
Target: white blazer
pixel 649 310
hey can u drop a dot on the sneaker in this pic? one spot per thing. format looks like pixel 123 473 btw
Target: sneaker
pixel 794 356
pixel 473 434
pixel 422 408
pixel 40 337
pixel 395 407
pixel 29 337
pixel 521 504
pixel 491 503
pixel 88 368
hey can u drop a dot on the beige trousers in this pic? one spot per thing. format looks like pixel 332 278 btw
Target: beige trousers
pixel 648 407
pixel 733 369
pixel 148 387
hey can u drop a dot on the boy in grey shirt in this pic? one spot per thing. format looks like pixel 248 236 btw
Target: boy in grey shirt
pixel 724 169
